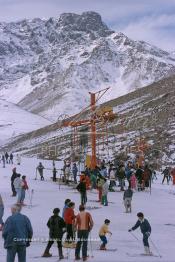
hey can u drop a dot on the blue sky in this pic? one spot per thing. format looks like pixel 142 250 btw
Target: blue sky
pixel 151 21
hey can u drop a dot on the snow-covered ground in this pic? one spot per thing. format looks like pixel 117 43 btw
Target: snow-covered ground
pixel 157 207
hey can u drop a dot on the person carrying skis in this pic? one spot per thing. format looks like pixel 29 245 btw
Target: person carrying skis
pixel 102 234
pixel 82 189
pixel 145 229
pixel 40 169
pixel 84 225
pixel 57 228
pixel 14 175
pixel 1 213
pixel 127 198
pixel 24 187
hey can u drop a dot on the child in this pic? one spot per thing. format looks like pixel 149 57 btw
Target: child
pixel 102 234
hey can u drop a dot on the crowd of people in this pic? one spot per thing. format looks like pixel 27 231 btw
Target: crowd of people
pixel 77 227
pixel 8 158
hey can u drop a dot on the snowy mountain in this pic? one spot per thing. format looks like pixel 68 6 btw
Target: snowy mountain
pixel 15 121
pixel 48 66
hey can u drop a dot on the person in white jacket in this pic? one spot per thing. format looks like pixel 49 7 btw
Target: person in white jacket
pixel 18 187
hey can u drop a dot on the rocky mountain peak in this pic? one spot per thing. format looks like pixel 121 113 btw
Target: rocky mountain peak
pixel 87 22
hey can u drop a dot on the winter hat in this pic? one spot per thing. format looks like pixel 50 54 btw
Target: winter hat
pixel 56 210
pixel 107 221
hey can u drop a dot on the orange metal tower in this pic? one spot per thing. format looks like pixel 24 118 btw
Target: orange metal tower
pixel 102 114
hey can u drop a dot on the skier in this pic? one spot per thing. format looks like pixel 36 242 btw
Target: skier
pixel 74 172
pixel 139 176
pixel 18 186
pixel 100 182
pixel 82 189
pixel 121 176
pixel 84 225
pixel 40 169
pixel 54 174
pixel 147 176
pixel 14 175
pixel 69 218
pixel 145 229
pixel 166 175
pixel 105 190
pixel 93 180
pixel 7 157
pixel 3 161
pixel 102 234
pixel 127 198
pixel 24 187
pixel 17 233
pixel 56 227
pixel 1 213
pixel 112 179
pixel 11 159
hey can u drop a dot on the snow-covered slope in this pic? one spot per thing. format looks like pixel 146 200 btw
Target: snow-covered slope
pixel 147 112
pixel 49 66
pixel 15 121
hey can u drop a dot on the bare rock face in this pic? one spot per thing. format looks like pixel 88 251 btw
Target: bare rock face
pixel 48 66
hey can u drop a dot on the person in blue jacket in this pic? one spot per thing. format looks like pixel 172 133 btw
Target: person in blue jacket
pixel 17 233
pixel 145 229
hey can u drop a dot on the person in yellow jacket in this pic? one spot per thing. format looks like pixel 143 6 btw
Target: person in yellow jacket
pixel 102 234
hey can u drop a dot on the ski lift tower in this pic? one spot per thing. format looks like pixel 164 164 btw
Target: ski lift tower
pixel 97 115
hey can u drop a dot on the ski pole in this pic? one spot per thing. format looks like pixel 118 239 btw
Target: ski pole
pixel 155 248
pixel 134 236
pixel 92 255
pixel 31 198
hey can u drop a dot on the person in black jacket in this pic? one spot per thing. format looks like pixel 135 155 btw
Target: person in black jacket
pixel 145 229
pixel 14 175
pixel 57 228
pixel 82 189
pixel 127 198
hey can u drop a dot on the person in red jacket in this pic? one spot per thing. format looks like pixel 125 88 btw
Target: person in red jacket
pixel 69 218
pixel 24 187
